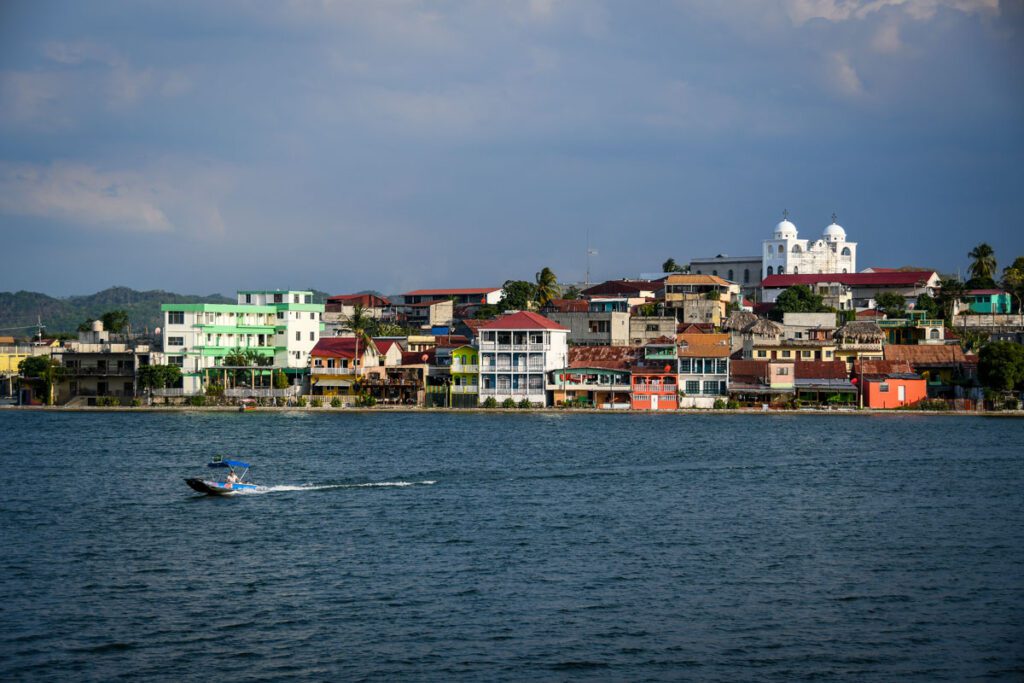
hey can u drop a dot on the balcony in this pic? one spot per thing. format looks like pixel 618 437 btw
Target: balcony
pixel 652 388
pixel 246 392
pixel 465 369
pixel 519 391
pixel 494 346
pixel 465 388
pixel 332 371
pixel 122 371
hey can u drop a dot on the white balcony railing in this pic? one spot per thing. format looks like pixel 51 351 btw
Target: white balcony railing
pixel 498 391
pixel 470 369
pixel 332 371
pixel 465 388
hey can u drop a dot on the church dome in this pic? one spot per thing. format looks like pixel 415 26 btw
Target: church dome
pixel 785 230
pixel 834 232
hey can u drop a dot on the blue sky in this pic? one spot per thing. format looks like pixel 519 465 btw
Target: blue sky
pixel 206 147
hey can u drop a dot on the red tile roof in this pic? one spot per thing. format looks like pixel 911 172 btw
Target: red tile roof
pixel 925 354
pixel 524 320
pixel 820 369
pixel 701 345
pixel 871 367
pixel 451 341
pixel 899 278
pixel 989 292
pixel 623 287
pixel 383 345
pixel 570 305
pixel 749 371
pixel 870 313
pixel 336 347
pixel 608 357
pixel 367 300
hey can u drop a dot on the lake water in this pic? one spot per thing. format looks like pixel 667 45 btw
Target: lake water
pixel 513 547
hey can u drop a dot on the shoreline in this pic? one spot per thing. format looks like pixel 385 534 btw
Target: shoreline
pixel 501 411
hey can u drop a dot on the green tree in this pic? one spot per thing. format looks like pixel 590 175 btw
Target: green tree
pixel 487 312
pixel 115 321
pixel 547 286
pixel 572 292
pixel 951 291
pixel 1001 365
pixel 1013 280
pixel 892 304
pixel 361 325
pixel 158 376
pixel 42 372
pixel 929 306
pixel 798 299
pixel 517 295
pixel 280 379
pixel 670 266
pixel 983 264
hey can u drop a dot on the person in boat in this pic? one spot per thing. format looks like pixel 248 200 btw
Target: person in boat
pixel 231 478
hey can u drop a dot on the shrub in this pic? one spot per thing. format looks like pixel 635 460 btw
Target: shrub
pixel 301 402
pixel 491 402
pixel 136 403
pixel 214 390
pixel 508 403
pixel 316 402
pixel 280 402
pixel 335 402
pixel 933 404
pixel 525 404
pixel 197 401
pixel 719 404
pixel 365 400
pixel 732 404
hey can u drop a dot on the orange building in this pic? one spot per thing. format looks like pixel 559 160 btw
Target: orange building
pixel 894 390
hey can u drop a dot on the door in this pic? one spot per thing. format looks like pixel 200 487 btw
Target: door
pixel 901 393
pixel 654 401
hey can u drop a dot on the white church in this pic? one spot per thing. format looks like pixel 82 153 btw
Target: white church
pixel 785 254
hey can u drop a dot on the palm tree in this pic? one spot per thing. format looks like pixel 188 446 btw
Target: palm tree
pixel 547 286
pixel 360 323
pixel 984 265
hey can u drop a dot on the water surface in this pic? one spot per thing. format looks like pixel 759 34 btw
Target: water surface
pixel 511 547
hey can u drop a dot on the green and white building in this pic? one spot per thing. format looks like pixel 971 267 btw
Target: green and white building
pixel 283 325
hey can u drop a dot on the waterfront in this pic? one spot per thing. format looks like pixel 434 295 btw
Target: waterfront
pixel 510 547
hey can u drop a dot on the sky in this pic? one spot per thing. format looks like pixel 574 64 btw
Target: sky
pixel 204 147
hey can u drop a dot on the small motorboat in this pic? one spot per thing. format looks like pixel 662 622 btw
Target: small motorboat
pixel 232 483
pixel 247 405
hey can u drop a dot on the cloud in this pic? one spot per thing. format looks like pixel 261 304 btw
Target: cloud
pixel 843 77
pixel 803 11
pixel 887 38
pixel 163 199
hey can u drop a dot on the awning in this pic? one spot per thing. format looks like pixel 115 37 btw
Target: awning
pixel 333 383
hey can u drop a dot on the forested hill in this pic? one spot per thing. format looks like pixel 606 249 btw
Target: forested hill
pixel 20 309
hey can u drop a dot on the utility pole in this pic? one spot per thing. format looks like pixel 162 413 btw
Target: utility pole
pixel 590 252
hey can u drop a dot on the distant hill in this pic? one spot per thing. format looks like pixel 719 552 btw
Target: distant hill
pixel 20 309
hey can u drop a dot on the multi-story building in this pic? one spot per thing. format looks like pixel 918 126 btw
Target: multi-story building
pixel 848 291
pixel 698 298
pixel 461 296
pixel 703 369
pixel 516 353
pixel 338 309
pixel 655 377
pixel 279 326
pixel 743 270
pixel 594 327
pixel 857 341
pixel 97 366
pixel 786 254
pixel 597 377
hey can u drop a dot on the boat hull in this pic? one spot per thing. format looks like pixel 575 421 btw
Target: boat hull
pixel 218 488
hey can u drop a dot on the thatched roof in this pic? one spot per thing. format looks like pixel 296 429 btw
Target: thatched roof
pixel 861 331
pixel 763 327
pixel 738 320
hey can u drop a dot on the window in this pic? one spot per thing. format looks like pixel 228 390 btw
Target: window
pixel 828 354
pixel 175 317
pixel 846 252
pixel 312 336
pixel 786 353
pixel 715 273
pixel 711 388
pixel 746 274
pixel 684 365
pixel 280 315
pixel 312 316
pixel 248 298
pixel 308 299
pixel 884 388
pixel 295 298
pixel 176 360
pixel 730 275
pixel 796 270
pixel 175 341
pixel 298 336
pixel 781 372
pixel 651 327
pixel 805 354
pixel 770 271
pixel 722 366
pixel 796 249
pixel 279 298
pixel 692 387
pixel 782 270
pixel 600 326
pixel 762 354
pixel 934 334
pixel 781 249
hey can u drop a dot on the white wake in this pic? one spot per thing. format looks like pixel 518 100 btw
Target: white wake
pixel 324 487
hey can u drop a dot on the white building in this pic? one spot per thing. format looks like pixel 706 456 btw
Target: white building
pixel 516 353
pixel 786 254
pixel 279 326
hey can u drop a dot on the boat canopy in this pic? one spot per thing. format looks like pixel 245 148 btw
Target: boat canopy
pixel 229 463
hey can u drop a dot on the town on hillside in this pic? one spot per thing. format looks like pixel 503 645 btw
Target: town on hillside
pixel 796 326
